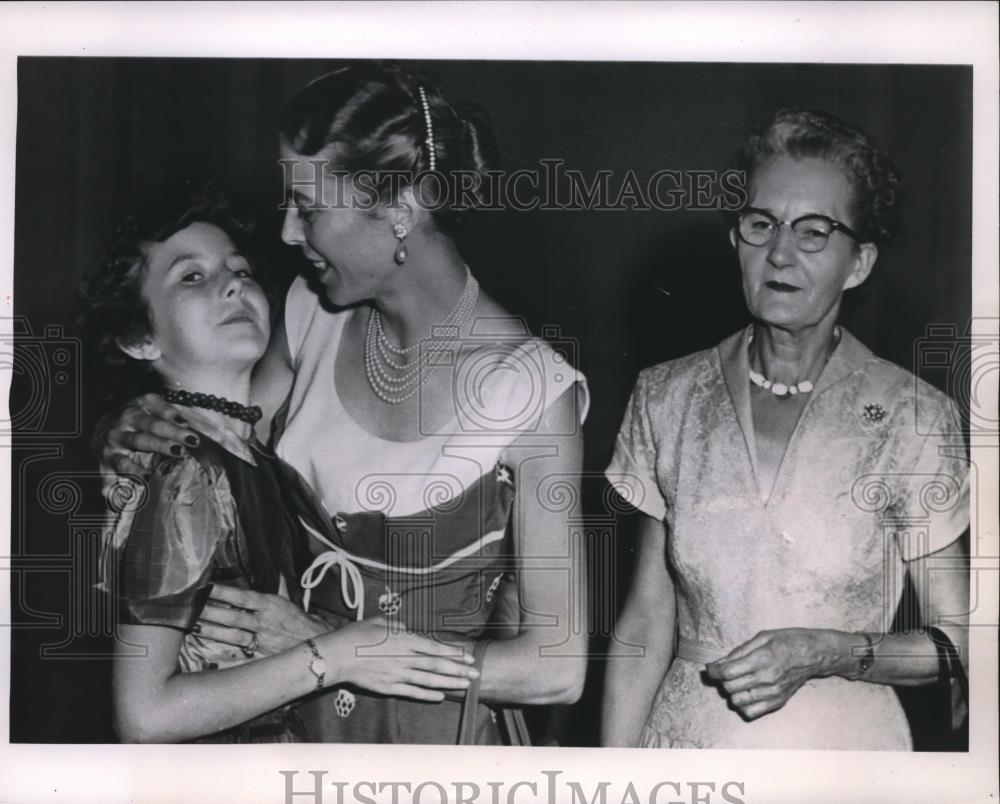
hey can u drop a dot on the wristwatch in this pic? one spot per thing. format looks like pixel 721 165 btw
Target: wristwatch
pixel 317 665
pixel 868 657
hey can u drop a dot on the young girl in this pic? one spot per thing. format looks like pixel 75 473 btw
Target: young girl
pixel 176 308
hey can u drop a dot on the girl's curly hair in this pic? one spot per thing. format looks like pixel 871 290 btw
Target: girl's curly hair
pixel 874 178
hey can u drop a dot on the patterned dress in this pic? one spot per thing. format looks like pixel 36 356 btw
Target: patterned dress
pixel 422 528
pixel 874 475
pixel 228 512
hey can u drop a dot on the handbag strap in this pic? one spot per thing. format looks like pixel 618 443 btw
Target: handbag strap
pixel 949 665
pixel 516 726
pixel 467 724
pixel 952 677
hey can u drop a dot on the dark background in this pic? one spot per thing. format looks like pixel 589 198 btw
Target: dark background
pixel 95 135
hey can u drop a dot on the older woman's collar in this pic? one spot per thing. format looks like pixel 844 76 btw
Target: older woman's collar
pixel 848 356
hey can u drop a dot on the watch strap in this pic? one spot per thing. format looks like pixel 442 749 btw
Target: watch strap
pixel 317 657
pixel 867 658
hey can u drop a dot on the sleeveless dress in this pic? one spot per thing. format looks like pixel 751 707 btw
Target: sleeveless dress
pixel 228 512
pixel 421 528
pixel 875 474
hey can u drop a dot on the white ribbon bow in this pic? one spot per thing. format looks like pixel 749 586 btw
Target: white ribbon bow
pixel 352 584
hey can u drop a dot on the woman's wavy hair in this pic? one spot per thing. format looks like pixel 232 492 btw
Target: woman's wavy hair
pixel 112 309
pixel 370 117
pixel 874 178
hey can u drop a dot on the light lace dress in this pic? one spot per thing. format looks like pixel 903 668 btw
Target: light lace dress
pixel 875 475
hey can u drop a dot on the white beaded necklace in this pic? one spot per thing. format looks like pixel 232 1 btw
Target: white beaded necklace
pixel 393 381
pixel 780 389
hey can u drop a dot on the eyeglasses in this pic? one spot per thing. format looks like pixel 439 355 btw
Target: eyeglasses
pixel 758 228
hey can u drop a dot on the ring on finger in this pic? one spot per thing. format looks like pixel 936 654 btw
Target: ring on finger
pixel 250 650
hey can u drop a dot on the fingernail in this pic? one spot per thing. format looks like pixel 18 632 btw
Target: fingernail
pixel 180 419
pixel 473 673
pixel 176 449
pixel 192 440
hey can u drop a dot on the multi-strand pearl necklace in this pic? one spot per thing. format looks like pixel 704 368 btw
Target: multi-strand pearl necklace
pixel 393 380
pixel 780 389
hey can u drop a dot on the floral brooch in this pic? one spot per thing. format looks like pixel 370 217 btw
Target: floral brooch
pixel 873 413
pixel 503 474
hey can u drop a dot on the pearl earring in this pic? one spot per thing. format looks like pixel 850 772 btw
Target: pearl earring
pixel 400 232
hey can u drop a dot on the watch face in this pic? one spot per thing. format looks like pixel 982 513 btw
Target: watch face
pixel 318 666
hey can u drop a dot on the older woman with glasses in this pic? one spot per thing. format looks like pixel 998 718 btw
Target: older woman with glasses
pixel 788 479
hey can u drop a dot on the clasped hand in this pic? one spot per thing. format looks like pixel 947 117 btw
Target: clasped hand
pixel 370 654
pixel 761 675
pixel 374 654
pixel 235 616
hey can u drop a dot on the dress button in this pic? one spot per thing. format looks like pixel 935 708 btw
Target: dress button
pixel 389 602
pixel 493 588
pixel 503 474
pixel 344 703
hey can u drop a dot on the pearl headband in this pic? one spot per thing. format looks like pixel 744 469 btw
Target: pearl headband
pixel 429 139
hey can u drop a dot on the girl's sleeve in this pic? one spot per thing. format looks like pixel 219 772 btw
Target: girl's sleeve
pixel 163 563
pixel 632 471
